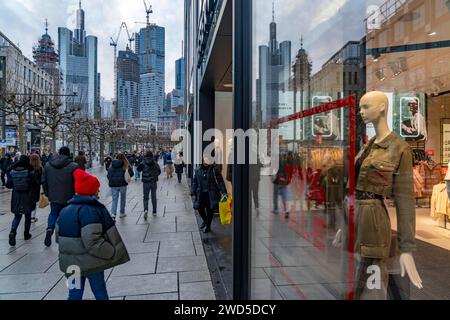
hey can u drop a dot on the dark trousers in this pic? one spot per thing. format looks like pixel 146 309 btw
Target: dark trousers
pixel 3 175
pixel 55 209
pixel 150 187
pixel 16 222
pixel 98 286
pixel 205 210
pixel 180 176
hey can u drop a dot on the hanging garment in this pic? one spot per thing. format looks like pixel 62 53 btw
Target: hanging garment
pixel 433 176
pixel 419 182
pixel 440 204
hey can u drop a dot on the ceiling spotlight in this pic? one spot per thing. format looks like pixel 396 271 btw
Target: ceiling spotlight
pixel 432 33
pixel 228 85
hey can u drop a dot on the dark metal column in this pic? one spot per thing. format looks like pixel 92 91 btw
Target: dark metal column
pixel 242 109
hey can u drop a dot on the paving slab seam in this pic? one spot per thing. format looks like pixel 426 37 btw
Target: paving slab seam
pixel 1 270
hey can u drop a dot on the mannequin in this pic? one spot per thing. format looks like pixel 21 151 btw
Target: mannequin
pixel 383 169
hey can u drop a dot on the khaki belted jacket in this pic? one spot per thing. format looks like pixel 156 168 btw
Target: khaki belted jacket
pixel 387 171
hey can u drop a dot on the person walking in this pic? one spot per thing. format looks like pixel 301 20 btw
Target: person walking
pixel 168 164
pixel 45 157
pixel 119 176
pixel 58 184
pixel 280 183
pixel 5 163
pixel 108 161
pixel 150 172
pixel 35 191
pixel 81 160
pixel 88 238
pixel 17 157
pixel 21 179
pixel 208 188
pixel 138 160
pixel 179 166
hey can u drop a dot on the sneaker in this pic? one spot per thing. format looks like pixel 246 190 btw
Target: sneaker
pixel 146 214
pixel 203 226
pixel 27 236
pixel 113 218
pixel 207 230
pixel 12 239
pixel 48 238
pixel 155 214
pixel 123 215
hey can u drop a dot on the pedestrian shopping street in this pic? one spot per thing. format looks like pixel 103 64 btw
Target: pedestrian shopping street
pixel 167 255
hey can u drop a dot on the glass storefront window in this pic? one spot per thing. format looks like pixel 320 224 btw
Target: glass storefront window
pixel 359 93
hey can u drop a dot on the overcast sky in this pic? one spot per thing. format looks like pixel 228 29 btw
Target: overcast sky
pixel 23 22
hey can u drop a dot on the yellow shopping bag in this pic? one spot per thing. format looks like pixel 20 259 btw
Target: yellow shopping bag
pixel 225 206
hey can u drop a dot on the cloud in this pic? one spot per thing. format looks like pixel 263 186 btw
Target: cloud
pixel 23 22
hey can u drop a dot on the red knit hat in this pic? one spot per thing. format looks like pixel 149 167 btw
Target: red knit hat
pixel 85 184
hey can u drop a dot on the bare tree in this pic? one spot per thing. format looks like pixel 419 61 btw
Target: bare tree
pixel 53 117
pixel 17 105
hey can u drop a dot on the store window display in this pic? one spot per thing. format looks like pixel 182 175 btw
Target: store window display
pixel 383 169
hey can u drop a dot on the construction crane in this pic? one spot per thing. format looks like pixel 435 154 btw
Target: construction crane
pixel 114 43
pixel 148 11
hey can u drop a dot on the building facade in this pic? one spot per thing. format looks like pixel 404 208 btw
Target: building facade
pixel 150 49
pixel 297 238
pixel 79 65
pixel 167 124
pixel 151 96
pixel 107 108
pixel 128 85
pixel 24 78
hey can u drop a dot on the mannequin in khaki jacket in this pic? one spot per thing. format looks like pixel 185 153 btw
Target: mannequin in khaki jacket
pixel 374 109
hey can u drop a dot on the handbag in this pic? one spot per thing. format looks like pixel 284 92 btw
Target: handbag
pixel 225 206
pixel 43 201
pixel 127 177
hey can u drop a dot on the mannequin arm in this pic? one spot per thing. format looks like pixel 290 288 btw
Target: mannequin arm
pixel 408 266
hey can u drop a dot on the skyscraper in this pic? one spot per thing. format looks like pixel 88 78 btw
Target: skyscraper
pixel 128 85
pixel 78 62
pixel 150 49
pixel 151 96
pixel 274 75
pixel 180 81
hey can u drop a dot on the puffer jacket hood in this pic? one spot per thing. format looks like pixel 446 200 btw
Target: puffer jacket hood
pixel 117 164
pixel 149 161
pixel 60 162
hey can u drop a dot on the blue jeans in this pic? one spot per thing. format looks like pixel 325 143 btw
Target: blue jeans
pixel 98 286
pixel 137 174
pixel 282 191
pixel 150 187
pixel 116 192
pixel 55 210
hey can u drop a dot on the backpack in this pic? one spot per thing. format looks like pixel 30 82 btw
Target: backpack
pixel 20 180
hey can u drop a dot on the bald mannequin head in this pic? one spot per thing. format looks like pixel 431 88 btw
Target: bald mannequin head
pixel 374 107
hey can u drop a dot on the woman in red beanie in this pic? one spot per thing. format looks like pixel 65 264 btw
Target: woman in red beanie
pixel 88 239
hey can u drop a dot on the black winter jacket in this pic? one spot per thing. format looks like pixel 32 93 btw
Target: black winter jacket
pixel 216 187
pixel 5 163
pixel 58 181
pixel 150 170
pixel 22 180
pixel 116 174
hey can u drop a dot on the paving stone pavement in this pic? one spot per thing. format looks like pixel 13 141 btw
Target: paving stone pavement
pixel 167 257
